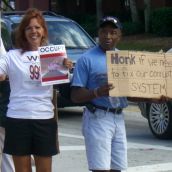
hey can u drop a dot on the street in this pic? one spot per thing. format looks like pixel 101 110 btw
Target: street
pixel 145 152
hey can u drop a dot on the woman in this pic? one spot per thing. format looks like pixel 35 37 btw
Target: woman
pixel 30 127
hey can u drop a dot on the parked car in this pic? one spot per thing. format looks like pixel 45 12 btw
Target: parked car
pixel 159 117
pixel 61 30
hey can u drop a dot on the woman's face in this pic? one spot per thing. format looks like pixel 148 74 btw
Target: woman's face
pixel 34 33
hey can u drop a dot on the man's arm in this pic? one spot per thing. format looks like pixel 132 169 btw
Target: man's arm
pixel 81 95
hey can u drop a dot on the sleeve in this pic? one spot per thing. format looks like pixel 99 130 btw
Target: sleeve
pixel 3 68
pixel 3 64
pixel 81 73
pixel 2 52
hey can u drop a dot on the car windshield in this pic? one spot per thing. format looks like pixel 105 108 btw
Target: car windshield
pixel 68 33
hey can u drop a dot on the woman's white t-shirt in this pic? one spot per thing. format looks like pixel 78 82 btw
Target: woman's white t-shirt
pixel 2 48
pixel 28 99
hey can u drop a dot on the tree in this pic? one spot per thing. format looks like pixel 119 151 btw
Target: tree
pixel 134 11
pixel 5 5
pixel 147 11
pixel 99 10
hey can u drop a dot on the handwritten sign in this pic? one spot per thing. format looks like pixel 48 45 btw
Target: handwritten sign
pixel 51 61
pixel 140 74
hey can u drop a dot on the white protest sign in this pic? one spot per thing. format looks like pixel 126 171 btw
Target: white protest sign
pixel 51 61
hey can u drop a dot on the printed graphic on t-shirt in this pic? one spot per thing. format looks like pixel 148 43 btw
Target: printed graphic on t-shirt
pixel 32 63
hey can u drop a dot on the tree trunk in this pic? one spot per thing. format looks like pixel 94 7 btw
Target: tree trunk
pixel 99 10
pixel 134 12
pixel 147 11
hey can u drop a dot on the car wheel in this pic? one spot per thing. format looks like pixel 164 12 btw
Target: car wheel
pixel 160 120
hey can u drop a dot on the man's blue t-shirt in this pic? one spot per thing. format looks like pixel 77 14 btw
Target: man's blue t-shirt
pixel 91 72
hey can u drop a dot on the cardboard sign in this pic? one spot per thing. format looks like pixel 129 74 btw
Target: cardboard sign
pixel 51 62
pixel 140 74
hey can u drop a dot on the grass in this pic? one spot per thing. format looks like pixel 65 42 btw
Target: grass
pixel 145 42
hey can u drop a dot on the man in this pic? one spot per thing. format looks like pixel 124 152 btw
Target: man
pixel 103 120
pixel 5 160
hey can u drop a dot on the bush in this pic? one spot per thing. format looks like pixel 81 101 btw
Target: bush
pixel 88 22
pixel 130 28
pixel 161 21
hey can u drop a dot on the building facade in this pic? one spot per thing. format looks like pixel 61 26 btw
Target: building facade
pixel 85 6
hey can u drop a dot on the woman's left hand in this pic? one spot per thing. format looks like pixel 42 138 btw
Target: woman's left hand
pixel 67 63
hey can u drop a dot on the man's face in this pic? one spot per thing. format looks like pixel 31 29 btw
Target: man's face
pixel 108 37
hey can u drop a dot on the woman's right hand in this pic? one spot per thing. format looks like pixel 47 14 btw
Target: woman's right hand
pixel 67 63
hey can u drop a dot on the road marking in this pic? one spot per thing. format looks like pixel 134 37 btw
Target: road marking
pixel 147 146
pixel 151 168
pixel 130 145
pixel 131 108
pixel 73 148
pixel 163 167
pixel 70 135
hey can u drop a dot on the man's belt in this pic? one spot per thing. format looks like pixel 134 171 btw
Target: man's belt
pixel 93 107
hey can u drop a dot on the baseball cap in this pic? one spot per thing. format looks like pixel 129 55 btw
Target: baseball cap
pixel 110 20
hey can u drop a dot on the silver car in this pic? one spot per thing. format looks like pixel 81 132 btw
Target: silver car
pixel 159 117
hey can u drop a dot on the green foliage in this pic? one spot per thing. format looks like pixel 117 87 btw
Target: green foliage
pixel 88 22
pixel 161 21
pixel 145 42
pixel 5 36
pixel 130 28
pixel 121 15
pixel 139 46
pixel 5 5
